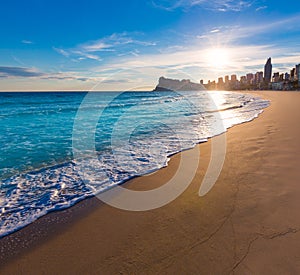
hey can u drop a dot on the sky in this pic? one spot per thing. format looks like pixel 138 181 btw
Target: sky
pixel 127 45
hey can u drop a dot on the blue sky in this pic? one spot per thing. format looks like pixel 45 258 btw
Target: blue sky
pixel 119 45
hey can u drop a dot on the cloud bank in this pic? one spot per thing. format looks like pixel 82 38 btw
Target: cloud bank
pixel 22 72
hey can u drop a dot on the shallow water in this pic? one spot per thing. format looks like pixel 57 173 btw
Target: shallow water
pixel 134 134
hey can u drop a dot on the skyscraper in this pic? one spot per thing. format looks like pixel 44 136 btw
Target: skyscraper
pixel 249 77
pixel 268 71
pixel 292 75
pixel 259 77
pixel 226 79
pixel 298 72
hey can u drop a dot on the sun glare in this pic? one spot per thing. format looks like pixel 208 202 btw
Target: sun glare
pixel 218 58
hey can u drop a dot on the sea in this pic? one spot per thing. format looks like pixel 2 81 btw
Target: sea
pixel 121 135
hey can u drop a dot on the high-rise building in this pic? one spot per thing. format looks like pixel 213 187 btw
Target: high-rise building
pixel 259 77
pixel 281 77
pixel 276 77
pixel 286 76
pixel 249 77
pixel 233 78
pixel 292 75
pixel 297 73
pixel 226 79
pixel 243 79
pixel 268 70
pixel 220 83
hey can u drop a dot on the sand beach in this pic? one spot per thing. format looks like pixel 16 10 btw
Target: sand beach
pixel 249 223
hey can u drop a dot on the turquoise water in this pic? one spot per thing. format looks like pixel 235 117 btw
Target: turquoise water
pixel 135 134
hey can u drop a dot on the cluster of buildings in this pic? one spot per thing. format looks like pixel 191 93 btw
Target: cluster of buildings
pixel 259 81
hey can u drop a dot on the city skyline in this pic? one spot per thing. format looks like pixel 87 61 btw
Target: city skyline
pixel 118 45
pixel 259 80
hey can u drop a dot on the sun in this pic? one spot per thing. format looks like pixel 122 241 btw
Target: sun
pixel 218 58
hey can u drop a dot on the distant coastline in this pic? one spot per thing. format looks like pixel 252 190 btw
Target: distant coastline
pixel 258 81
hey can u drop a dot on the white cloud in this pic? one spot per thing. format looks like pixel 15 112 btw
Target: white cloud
pixel 81 55
pixel 228 35
pixel 27 42
pixel 109 43
pixel 217 5
pixel 279 26
pixel 261 8
pixel 33 73
pixel 189 57
pixel 115 42
pixel 61 51
pixel 96 46
pixel 85 55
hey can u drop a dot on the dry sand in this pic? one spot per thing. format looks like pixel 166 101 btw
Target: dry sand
pixel 248 224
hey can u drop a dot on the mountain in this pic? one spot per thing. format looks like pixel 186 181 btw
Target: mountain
pixel 167 84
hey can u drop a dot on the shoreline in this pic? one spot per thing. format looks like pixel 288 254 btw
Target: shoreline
pixel 130 232
pixel 73 212
pixel 65 162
